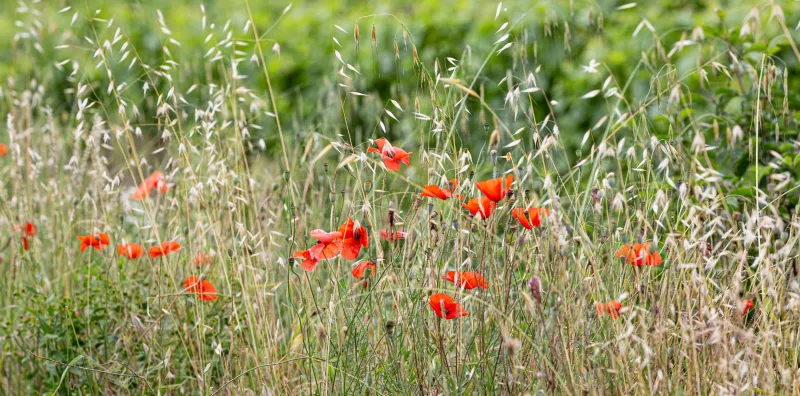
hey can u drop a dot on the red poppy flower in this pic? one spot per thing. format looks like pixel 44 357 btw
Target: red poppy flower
pixel 360 271
pixel 529 218
pixel 3 150
pixel 204 289
pixel 153 182
pixel 435 191
pixel 495 189
pixel 445 307
pixel 27 231
pixel 329 246
pixel 639 254
pixel 202 259
pixel 310 262
pixel 482 206
pixel 165 249
pixel 466 280
pixel 611 308
pixel 130 250
pixel 392 156
pixel 746 306
pixel 354 238
pixel 393 237
pixel 97 241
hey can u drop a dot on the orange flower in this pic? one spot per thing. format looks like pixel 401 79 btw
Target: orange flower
pixel 153 182
pixel 165 249
pixel 28 230
pixel 355 237
pixel 329 246
pixel 611 308
pixel 467 280
pixel 310 262
pixel 204 289
pixel 495 189
pixel 435 191
pixel 392 156
pixel 202 258
pixel 445 307
pixel 360 271
pixel 130 250
pixel 746 306
pixel 529 218
pixel 3 150
pixel 393 237
pixel 639 254
pixel 97 241
pixel 483 206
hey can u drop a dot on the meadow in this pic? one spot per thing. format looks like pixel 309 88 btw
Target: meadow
pixel 258 198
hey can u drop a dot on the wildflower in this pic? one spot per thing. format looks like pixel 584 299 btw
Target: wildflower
pixel 445 307
pixel 536 288
pixel 153 182
pixel 435 191
pixel 363 270
pixel 329 246
pixel 98 241
pixel 310 262
pixel 28 230
pixel 3 150
pixel 202 258
pixel 466 280
pixel 483 206
pixel 165 249
pixel 529 218
pixel 203 288
pixel 393 236
pixel 354 238
pixel 130 250
pixel 639 254
pixel 496 189
pixel 746 306
pixel 392 156
pixel 611 308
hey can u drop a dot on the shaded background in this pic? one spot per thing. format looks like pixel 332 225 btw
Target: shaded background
pixel 558 37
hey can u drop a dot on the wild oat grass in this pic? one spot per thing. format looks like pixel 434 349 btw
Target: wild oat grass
pixel 694 155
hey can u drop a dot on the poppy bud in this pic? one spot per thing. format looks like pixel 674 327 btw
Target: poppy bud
pixel 275 186
pixel 121 218
pixel 389 327
pixel 286 175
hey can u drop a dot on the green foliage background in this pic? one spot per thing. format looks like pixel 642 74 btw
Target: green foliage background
pixel 559 36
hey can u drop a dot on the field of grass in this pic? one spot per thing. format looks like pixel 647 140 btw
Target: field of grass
pixel 478 198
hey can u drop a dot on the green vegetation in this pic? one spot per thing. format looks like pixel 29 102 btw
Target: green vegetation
pixel 674 123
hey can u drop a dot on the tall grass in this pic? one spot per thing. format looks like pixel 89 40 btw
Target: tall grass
pixel 710 181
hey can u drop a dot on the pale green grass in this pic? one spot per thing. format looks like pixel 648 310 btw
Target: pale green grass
pixel 93 322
